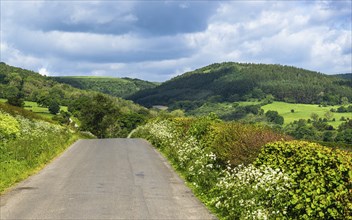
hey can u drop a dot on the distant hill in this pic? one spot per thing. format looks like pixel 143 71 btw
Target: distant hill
pixel 344 76
pixel 230 82
pixel 120 87
pixel 32 86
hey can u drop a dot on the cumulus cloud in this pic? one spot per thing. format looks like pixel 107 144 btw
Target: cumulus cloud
pixel 282 32
pixel 158 40
pixel 43 71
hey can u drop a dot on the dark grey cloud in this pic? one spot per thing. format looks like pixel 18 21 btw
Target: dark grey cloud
pixel 108 17
pixel 173 17
pixel 114 17
pixel 99 48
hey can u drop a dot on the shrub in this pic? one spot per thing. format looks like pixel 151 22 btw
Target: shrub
pixel 249 192
pixel 322 178
pixel 261 188
pixel 287 180
pixel 54 108
pixel 240 143
pixel 9 126
pixel 274 117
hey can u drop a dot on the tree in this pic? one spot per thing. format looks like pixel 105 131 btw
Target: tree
pixel 341 109
pixel 15 98
pixel 54 108
pixel 314 116
pixel 349 108
pixel 328 115
pixel 273 116
pixel 99 115
pixel 344 101
pixel 268 99
pixel 63 118
pixel 345 136
pixel 328 136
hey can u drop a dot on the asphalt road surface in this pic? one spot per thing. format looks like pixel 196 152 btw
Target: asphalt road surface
pixel 104 179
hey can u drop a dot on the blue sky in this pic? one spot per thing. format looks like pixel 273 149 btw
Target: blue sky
pixel 157 40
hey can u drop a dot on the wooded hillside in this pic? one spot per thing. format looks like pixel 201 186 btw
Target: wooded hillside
pixel 119 87
pixel 243 81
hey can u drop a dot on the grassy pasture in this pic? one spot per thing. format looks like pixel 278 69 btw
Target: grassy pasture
pixel 301 111
pixel 34 107
pixel 304 111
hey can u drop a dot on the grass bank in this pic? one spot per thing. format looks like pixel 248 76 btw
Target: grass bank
pixel 27 144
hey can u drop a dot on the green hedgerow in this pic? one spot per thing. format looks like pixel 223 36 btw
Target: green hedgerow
pixel 322 178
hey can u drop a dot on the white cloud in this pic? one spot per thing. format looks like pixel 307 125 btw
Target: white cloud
pixel 279 33
pixel 44 72
pixel 16 57
pixel 109 38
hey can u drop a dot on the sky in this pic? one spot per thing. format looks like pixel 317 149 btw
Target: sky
pixel 157 40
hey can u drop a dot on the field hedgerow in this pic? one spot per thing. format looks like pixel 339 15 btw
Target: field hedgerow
pixel 321 178
pixel 245 192
pixel 282 180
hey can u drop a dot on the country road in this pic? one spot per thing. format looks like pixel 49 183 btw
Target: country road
pixel 104 179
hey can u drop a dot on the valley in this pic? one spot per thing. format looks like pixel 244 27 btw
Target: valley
pixel 223 121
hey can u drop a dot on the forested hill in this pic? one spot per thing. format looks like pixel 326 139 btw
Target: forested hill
pixel 240 81
pixel 17 83
pixel 120 87
pixel 345 76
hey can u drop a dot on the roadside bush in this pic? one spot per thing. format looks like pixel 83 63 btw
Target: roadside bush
pixel 9 127
pixel 281 180
pixel 27 144
pixel 249 192
pixel 245 192
pixel 184 150
pixel 322 178
pixel 240 143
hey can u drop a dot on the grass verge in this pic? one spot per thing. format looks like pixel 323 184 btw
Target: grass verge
pixel 15 170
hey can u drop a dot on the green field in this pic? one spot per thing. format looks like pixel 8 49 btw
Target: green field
pixel 42 111
pixel 303 111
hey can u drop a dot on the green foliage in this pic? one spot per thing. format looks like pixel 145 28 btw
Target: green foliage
pixel 27 144
pixel 345 136
pixel 322 178
pixel 229 82
pixel 63 118
pixel 234 193
pixel 120 87
pixel 283 180
pixel 21 84
pixel 99 116
pixel 240 143
pixel 303 111
pixel 105 117
pixel 249 192
pixel 9 127
pixel 321 131
pixel 273 116
pixel 345 76
pixel 16 100
pixel 54 108
pixel 13 110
